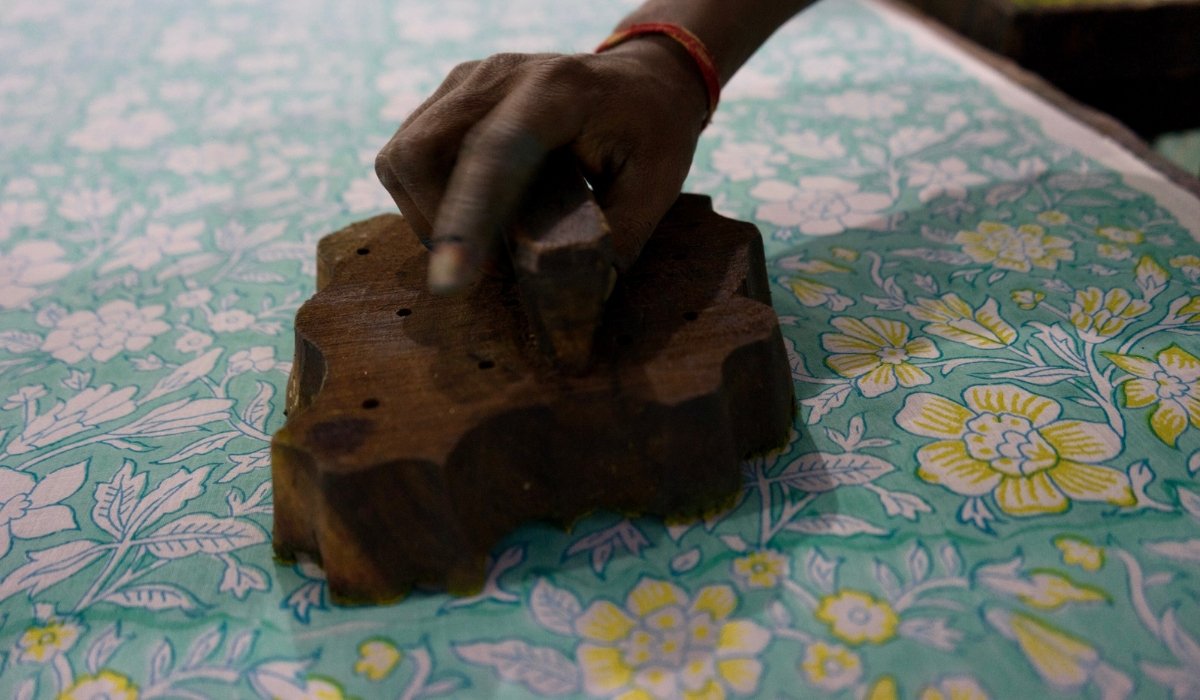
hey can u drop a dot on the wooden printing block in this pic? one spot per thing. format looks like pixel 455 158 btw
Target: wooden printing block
pixel 421 429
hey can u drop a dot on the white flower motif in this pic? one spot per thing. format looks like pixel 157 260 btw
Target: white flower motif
pixel 88 408
pixel 743 161
pixel 810 144
pixel 193 341
pixel 188 41
pixel 116 326
pixel 208 158
pixel 193 298
pixel 824 68
pixel 87 205
pixel 948 177
pixel 230 321
pixel 260 358
pixel 27 266
pixel 160 241
pixel 753 84
pixel 366 194
pixel 819 206
pixel 132 130
pixel 857 104
pixel 28 508
pixel 16 213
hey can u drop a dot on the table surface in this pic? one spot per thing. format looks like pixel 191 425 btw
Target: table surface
pixel 992 313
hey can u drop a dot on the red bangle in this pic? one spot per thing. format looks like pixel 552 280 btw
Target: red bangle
pixel 691 43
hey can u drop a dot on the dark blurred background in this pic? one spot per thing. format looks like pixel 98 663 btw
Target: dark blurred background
pixel 1137 60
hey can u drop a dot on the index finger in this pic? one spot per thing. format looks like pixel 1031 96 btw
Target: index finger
pixel 496 164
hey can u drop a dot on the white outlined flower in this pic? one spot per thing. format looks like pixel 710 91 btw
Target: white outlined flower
pixel 26 267
pixel 819 206
pixel 102 334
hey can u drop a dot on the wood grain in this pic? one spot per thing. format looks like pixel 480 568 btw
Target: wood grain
pixel 422 429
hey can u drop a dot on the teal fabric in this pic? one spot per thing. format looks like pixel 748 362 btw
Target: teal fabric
pixel 991 490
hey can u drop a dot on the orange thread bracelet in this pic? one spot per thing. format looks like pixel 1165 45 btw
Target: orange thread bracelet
pixel 691 43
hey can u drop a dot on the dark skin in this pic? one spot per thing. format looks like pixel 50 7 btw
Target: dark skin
pixel 459 165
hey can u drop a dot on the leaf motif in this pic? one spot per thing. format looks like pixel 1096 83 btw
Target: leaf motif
pixel 1181 550
pixel 185 267
pixel 951 561
pixel 203 647
pixel 826 401
pixel 837 524
pixel 821 571
pixel 1042 376
pixel 116 499
pixel 1151 278
pixel 246 463
pixel 542 670
pixel 202 446
pixel 818 472
pixel 103 647
pixel 201 533
pixel 239 645
pixel 59 484
pixel 888 580
pixel 172 494
pixel 685 561
pixel 50 566
pixel 1179 641
pixel 554 608
pixel 177 417
pixel 950 257
pixel 18 342
pixel 184 374
pixel 26 690
pixel 918 562
pixel 734 542
pixel 152 596
pixel 1190 501
pixel 902 504
pixel 162 660
pixel 260 406
pixel 239 579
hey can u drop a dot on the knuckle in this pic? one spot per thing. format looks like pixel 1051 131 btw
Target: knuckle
pixel 571 69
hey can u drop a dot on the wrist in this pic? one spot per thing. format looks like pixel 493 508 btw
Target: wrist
pixel 669 62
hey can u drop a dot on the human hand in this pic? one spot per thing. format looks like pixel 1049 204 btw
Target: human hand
pixel 459 166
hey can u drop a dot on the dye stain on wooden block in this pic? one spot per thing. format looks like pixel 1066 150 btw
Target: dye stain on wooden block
pixel 424 428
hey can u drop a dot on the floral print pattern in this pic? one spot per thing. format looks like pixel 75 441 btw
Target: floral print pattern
pixel 992 321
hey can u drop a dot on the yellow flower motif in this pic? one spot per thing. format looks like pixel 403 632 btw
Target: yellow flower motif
pixel 322 688
pixel 1100 315
pixel 1027 299
pixel 1020 249
pixel 875 352
pixel 377 658
pixel 856 617
pixel 47 641
pixel 812 293
pixel 1080 552
pixel 105 685
pixel 831 666
pixel 662 644
pixel 883 689
pixel 953 319
pixel 1151 277
pixel 1061 659
pixel 1049 590
pixel 1010 443
pixel 954 688
pixel 1172 381
pixel 761 569
pixel 1189 265
pixel 847 254
pixel 1113 252
pixel 1116 234
pixel 1053 218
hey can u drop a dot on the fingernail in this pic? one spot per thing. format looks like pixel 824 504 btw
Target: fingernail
pixel 447 268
